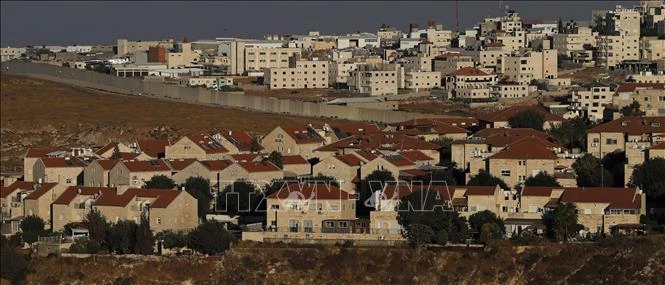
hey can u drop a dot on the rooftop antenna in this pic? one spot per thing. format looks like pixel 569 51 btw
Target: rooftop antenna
pixel 457 14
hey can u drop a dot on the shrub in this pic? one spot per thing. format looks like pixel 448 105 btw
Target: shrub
pixel 85 245
pixel 441 237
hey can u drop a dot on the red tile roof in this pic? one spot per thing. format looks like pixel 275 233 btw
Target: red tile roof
pixel 659 146
pixel 397 191
pixel 153 147
pixel 128 155
pixel 622 198
pixel 112 199
pixel 304 135
pixel 107 164
pixel 17 185
pixel 349 159
pixel 383 141
pixel 315 191
pixel 259 166
pixel 349 129
pixel 415 155
pixel 632 125
pixel 146 166
pixel 293 159
pixel 468 71
pixel 163 198
pixel 62 162
pixel 41 190
pixel 245 156
pixel 180 164
pixel 240 139
pixel 207 144
pixel 525 149
pixel 366 155
pixel 216 165
pixel 398 160
pixel 501 137
pixel 538 191
pixel 72 191
pixel 41 151
pixel 106 148
pixel 632 86
pixel 506 114
pixel 479 190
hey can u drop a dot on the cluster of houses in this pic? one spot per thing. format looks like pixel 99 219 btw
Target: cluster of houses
pixel 61 185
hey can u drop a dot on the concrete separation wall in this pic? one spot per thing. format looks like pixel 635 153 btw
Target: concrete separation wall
pixel 91 79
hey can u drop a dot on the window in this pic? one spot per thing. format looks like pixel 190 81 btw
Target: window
pixel 68 180
pixel 505 172
pixel 587 211
pixel 611 141
pixel 330 225
pixel 343 225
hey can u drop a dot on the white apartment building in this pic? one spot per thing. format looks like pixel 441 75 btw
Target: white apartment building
pixel 339 72
pixel 622 21
pixel 10 53
pixel 590 103
pixel 419 62
pixel 376 80
pixel 569 43
pixel 469 83
pixel 252 55
pixel 612 50
pixel 646 77
pixel 507 91
pixel 125 46
pixel 525 66
pixel 183 56
pixel 512 41
pixel 487 57
pixel 652 48
pixel 422 79
pixel 302 74
pixel 449 62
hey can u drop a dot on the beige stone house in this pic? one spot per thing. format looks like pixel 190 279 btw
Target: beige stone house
pixel 136 173
pixel 11 202
pixel 31 156
pixel 108 150
pixel 39 201
pixel 201 147
pixel 258 173
pixel 293 141
pixel 521 160
pixel 388 142
pixel 310 208
pixel 74 203
pixel 208 169
pixel 98 172
pixel 656 151
pixel 166 209
pixel 345 168
pixel 601 209
pixel 238 142
pixel 154 148
pixel 469 83
pixel 395 164
pixel 65 170
pixel 295 165
pixel 501 119
pixel 625 133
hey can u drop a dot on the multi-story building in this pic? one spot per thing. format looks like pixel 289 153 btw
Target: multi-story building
pixel 125 46
pixel 422 80
pixel 523 67
pixel 449 62
pixel 613 49
pixel 65 170
pixel 419 62
pixel 310 208
pixel 469 83
pixel 652 48
pixel 301 141
pixel 638 132
pixel 181 56
pixel 650 96
pixel 622 21
pixel 521 160
pixel 197 146
pixel 38 202
pixel 591 103
pixel 300 74
pixel 136 173
pixel 506 91
pixel 9 53
pixel 583 39
pixel 339 72
pixel 252 55
pixel 376 80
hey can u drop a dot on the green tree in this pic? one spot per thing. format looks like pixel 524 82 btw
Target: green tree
pixel 562 222
pixel 239 197
pixel 528 118
pixel 210 238
pixel 441 176
pixel 16 240
pixel 490 231
pixel 171 239
pixel 445 151
pixel 32 227
pixel 632 110
pixel 85 245
pixel 484 178
pixel 116 152
pixel 614 162
pixel 418 234
pixel 649 176
pixel 160 182
pixel 441 237
pixel 14 266
pixel 372 183
pixel 542 179
pixel 570 133
pixel 428 208
pixel 122 237
pixel 199 188
pixel 97 226
pixel 477 220
pixel 276 158
pixel 145 241
pixel 590 172
pixel 255 146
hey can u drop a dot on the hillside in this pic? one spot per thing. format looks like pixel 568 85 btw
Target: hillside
pixel 41 113
pixel 628 262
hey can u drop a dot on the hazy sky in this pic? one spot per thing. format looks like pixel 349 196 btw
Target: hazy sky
pixel 80 22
